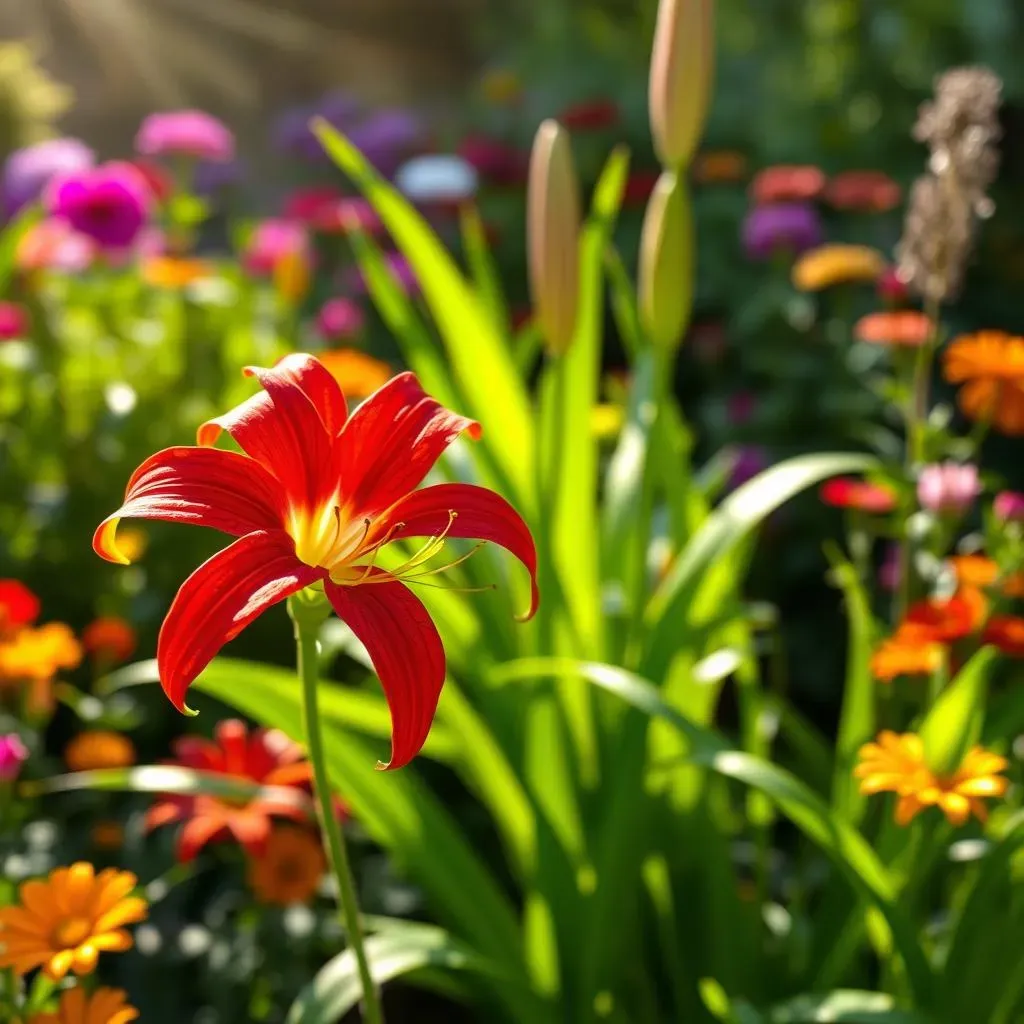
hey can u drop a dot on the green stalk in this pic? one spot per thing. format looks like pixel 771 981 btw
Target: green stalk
pixel 308 610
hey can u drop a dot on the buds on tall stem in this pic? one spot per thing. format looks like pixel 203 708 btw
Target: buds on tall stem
pixel 552 234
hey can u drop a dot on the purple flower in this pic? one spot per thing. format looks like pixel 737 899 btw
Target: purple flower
pixel 293 135
pixel 109 204
pixel 191 133
pixel 387 137
pixel 948 487
pixel 28 171
pixel 339 319
pixel 13 754
pixel 781 227
pixel 1008 506
pixel 271 241
pixel 749 461
pixel 890 572
pixel 400 271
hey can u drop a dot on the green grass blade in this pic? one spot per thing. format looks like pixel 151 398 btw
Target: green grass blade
pixel 481 263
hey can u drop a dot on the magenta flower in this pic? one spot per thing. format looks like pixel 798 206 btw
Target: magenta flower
pixel 777 228
pixel 13 321
pixel 1008 506
pixel 273 240
pixel 28 171
pixel 948 488
pixel 191 133
pixel 339 319
pixel 890 572
pixel 109 204
pixel 13 754
pixel 749 460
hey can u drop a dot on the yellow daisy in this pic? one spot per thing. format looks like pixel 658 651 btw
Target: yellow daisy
pixel 830 265
pixel 896 763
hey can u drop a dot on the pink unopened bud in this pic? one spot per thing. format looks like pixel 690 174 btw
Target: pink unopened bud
pixel 13 754
pixel 682 67
pixel 665 276
pixel 948 487
pixel 553 230
pixel 1008 506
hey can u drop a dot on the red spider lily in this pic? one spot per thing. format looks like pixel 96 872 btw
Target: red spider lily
pixel 844 492
pixel 315 496
pixel 266 756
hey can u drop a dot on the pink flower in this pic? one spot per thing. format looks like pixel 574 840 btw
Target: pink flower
pixel 890 571
pixel 948 487
pixel 13 754
pixel 109 204
pixel 273 240
pixel 891 288
pixel 192 133
pixel 340 318
pixel 1009 506
pixel 13 321
pixel 347 213
pixel 53 244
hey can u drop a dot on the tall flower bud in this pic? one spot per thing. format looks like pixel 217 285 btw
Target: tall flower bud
pixel 552 235
pixel 682 68
pixel 665 277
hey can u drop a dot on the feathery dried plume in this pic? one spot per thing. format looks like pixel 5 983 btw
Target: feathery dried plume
pixel 961 128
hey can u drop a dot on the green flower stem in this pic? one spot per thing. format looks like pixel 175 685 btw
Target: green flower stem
pixel 308 611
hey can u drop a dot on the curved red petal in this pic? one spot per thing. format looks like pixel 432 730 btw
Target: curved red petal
pixel 285 429
pixel 479 513
pixel 406 651
pixel 204 486
pixel 220 599
pixel 196 833
pixel 392 441
pixel 251 828
pixel 232 737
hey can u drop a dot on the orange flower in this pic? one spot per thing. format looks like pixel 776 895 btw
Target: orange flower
pixel 863 192
pixel 109 639
pixel 896 764
pixel 829 265
pixel 104 1006
pixel 990 366
pixel 1007 633
pixel 787 183
pixel 289 869
pixel 357 374
pixel 65 922
pixel 99 748
pixel 912 651
pixel 719 167
pixel 904 327
pixel 173 272
pixel 951 619
pixel 982 572
pixel 34 657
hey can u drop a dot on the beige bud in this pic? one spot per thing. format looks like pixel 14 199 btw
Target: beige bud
pixel 552 235
pixel 665 277
pixel 682 68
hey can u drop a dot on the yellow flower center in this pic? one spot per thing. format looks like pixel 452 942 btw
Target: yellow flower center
pixel 72 933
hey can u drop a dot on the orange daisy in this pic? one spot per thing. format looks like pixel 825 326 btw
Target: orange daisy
pixel 911 651
pixel 896 763
pixel 104 1006
pixel 99 748
pixel 109 639
pixel 289 869
pixel 65 922
pixel 357 374
pixel 990 366
pixel 174 272
pixel 787 183
pixel 903 327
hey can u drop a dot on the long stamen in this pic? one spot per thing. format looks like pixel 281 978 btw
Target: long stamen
pixel 448 565
pixel 431 548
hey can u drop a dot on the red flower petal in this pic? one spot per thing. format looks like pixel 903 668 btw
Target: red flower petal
pixel 392 441
pixel 196 833
pixel 220 599
pixel 288 428
pixel 232 737
pixel 205 486
pixel 846 492
pixel 251 828
pixel 18 605
pixel 480 514
pixel 406 652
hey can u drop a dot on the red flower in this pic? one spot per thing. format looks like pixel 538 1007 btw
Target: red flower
pixel 160 183
pixel 589 115
pixel 845 492
pixel 266 757
pixel 309 203
pixel 639 186
pixel 1007 633
pixel 891 288
pixel 495 161
pixel 863 192
pixel 786 183
pixel 950 619
pixel 313 498
pixel 14 322
pixel 18 605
